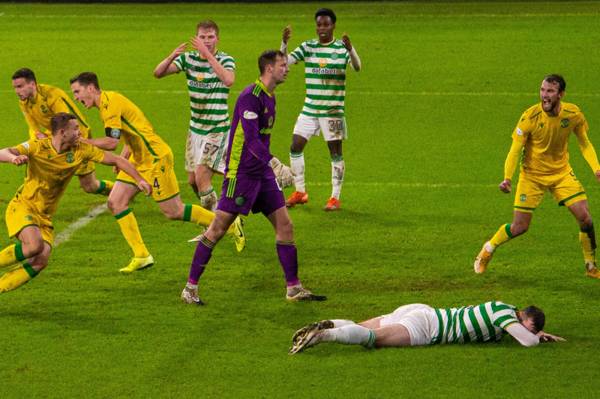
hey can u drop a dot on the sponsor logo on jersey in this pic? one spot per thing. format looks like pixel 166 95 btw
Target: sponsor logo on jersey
pixel 239 201
pixel 250 115
pixel 564 123
pixel 519 132
pixel 271 121
pixel 200 77
pixel 322 62
pixel 203 85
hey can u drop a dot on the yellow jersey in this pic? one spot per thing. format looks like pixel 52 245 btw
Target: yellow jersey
pixel 49 172
pixel 546 138
pixel 49 101
pixel 118 112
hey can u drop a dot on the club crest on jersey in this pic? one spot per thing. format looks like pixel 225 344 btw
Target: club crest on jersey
pixel 564 123
pixel 239 201
pixel 250 115
pixel 334 56
pixel 44 109
pixel 523 197
pixel 70 158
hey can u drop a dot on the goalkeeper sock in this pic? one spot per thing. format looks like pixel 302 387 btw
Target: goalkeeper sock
pixel 131 232
pixel 297 165
pixel 587 238
pixel 338 168
pixel 201 257
pixel 197 214
pixel 16 277
pixel 349 335
pixel 11 255
pixel 104 187
pixel 208 199
pixel 288 258
pixel 502 235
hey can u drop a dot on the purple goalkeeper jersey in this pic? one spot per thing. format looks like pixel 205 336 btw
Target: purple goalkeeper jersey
pixel 250 134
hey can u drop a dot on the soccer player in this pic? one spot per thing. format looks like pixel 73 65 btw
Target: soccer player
pixel 39 103
pixel 253 180
pixel 419 325
pixel 51 161
pixel 325 60
pixel 209 74
pixel 541 141
pixel 153 159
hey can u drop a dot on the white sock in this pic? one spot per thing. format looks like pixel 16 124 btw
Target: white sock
pixel 337 323
pixel 352 334
pixel 297 165
pixel 338 167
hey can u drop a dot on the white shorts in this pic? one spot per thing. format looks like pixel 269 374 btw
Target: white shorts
pixel 206 150
pixel 420 321
pixel 332 128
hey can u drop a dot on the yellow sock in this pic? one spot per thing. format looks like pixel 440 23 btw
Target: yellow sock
pixel 16 277
pixel 11 255
pixel 131 232
pixel 197 214
pixel 105 187
pixel 589 250
pixel 502 235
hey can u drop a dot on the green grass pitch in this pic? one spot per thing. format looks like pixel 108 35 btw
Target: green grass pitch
pixel 430 118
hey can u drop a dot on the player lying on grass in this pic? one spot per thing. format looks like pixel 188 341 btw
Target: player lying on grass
pixel 51 164
pixel 418 325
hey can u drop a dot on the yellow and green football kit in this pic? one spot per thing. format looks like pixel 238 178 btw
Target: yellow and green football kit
pixel 542 142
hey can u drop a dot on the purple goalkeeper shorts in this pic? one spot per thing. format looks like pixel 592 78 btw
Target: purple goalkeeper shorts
pixel 242 194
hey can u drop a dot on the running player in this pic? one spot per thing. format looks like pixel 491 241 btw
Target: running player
pixel 39 103
pixel 325 60
pixel 209 74
pixel 153 159
pixel 541 138
pixel 51 161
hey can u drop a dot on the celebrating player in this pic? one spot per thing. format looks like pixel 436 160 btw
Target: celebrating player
pixel 541 138
pixel 39 103
pixel 52 162
pixel 418 325
pixel 325 60
pixel 150 155
pixel 252 180
pixel 209 75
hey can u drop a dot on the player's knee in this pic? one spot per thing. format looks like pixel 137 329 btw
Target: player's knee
pixel 173 214
pixel 517 229
pixel 89 187
pixel 33 248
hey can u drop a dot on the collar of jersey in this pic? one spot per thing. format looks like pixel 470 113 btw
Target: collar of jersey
pixel 263 87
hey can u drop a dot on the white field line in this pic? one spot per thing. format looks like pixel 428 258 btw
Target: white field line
pixel 66 234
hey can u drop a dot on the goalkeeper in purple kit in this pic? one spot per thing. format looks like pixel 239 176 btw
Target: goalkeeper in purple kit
pixel 253 181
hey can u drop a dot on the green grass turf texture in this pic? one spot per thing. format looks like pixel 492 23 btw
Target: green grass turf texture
pixel 430 118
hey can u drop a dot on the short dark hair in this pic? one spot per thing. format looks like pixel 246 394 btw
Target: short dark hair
pixel 556 78
pixel 536 315
pixel 60 121
pixel 208 24
pixel 24 73
pixel 268 57
pixel 86 79
pixel 325 12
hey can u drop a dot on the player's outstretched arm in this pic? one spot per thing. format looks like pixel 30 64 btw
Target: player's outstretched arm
pixel 166 66
pixel 545 337
pixel 104 143
pixel 226 76
pixel 11 155
pixel 523 335
pixel 588 152
pixel 354 58
pixel 510 165
pixel 124 165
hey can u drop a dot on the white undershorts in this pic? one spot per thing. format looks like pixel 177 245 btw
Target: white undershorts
pixel 209 150
pixel 420 321
pixel 332 128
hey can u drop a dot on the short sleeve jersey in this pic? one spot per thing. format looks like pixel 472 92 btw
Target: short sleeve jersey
pixel 49 172
pixel 208 95
pixel 118 113
pixel 325 77
pixel 49 101
pixel 546 138
pixel 250 135
pixel 480 323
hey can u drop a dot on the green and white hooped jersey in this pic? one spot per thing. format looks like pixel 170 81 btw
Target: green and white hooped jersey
pixel 479 323
pixel 208 95
pixel 325 77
